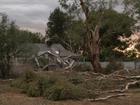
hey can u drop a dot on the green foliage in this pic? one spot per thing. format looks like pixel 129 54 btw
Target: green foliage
pixel 62 28
pixel 43 61
pixel 132 7
pixel 33 90
pixel 57 25
pixel 64 90
pixel 29 76
pixel 53 87
pixel 76 80
pixel 83 67
pixel 76 35
pixel 25 82
pixel 113 25
pixel 32 84
pixel 29 37
pixel 20 84
pixel 11 37
pixel 113 66
pixel 7 45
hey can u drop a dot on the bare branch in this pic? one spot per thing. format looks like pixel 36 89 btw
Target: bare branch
pixel 106 98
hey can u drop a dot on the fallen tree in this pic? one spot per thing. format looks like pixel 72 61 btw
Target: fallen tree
pixel 131 81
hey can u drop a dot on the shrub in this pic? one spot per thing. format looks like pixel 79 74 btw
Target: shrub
pixel 113 66
pixel 60 92
pixel 33 90
pixel 25 81
pixel 53 87
pixel 29 76
pixel 34 85
pixel 64 90
pixel 83 67
pixel 75 79
pixel 19 83
pixel 44 83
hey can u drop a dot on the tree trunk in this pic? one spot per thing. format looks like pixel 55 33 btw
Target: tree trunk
pixel 94 49
pixel 95 61
pixel 93 39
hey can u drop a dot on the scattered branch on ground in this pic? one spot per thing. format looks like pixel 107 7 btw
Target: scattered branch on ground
pixel 106 98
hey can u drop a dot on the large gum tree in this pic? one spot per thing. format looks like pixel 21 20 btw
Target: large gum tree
pixel 86 8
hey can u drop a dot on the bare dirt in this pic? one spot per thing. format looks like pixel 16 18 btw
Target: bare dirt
pixel 21 99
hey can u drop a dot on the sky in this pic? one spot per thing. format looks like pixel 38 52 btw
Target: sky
pixel 29 14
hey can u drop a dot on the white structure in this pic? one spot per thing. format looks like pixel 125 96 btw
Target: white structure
pixel 127 65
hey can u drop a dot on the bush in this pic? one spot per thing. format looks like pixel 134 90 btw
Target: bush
pixel 19 83
pixel 113 66
pixel 29 76
pixel 83 67
pixel 52 87
pixel 33 90
pixel 32 84
pixel 75 79
pixel 44 83
pixel 25 81
pixel 64 90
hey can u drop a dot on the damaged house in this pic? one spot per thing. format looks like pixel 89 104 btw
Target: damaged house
pixel 44 57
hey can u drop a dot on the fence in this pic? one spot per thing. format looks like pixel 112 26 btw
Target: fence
pixel 127 65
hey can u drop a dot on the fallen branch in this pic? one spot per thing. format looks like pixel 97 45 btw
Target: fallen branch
pixel 106 98
pixel 129 77
pixel 129 84
pixel 133 77
pixel 126 87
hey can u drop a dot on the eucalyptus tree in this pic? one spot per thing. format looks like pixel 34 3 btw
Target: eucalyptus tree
pixel 86 8
pixel 11 38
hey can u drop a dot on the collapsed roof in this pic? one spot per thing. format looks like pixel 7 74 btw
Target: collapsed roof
pixel 59 54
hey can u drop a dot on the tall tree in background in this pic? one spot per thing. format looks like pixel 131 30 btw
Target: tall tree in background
pixel 102 23
pixel 92 33
pixel 7 45
pixel 57 26
pixel 132 9
pixel 93 38
pixel 114 25
pixel 11 38
pixel 63 28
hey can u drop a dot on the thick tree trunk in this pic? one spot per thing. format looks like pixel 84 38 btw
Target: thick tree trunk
pixel 95 61
pixel 94 49
pixel 93 39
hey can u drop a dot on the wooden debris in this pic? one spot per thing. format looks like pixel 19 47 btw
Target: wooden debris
pixel 125 89
pixel 106 98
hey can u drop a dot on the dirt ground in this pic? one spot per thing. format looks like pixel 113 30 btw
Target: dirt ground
pixel 9 96
pixel 21 99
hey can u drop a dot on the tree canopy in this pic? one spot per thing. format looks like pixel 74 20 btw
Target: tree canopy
pixel 11 37
pixel 59 22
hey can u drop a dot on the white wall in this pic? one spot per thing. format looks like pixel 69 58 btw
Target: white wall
pixel 128 65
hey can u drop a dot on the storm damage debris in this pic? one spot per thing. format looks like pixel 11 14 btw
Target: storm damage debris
pixel 55 56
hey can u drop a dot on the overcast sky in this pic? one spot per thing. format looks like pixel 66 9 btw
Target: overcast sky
pixel 29 14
